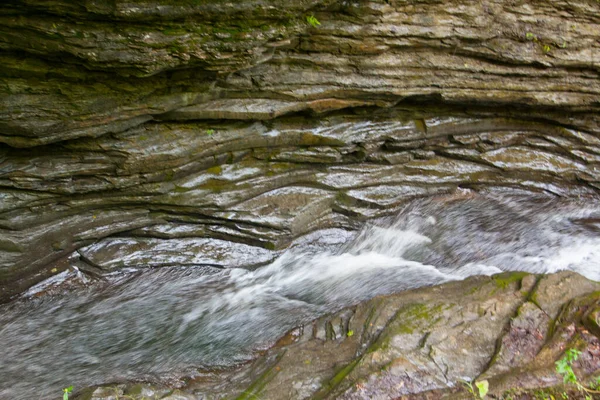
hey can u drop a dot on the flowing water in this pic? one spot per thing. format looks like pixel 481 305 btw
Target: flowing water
pixel 163 323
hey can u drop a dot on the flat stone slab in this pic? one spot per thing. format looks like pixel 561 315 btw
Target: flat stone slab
pixel 115 253
pixel 244 109
pixel 291 208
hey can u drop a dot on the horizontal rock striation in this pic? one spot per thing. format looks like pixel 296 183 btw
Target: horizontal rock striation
pixel 171 194
pixel 89 68
pixel 155 133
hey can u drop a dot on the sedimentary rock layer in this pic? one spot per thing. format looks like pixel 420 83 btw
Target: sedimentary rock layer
pixel 89 68
pixel 173 194
pixel 155 130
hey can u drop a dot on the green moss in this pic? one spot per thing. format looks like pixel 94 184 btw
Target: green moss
pixel 169 176
pixel 135 390
pixel 177 48
pixel 410 319
pixel 336 380
pixel 282 167
pixel 473 290
pixel 420 125
pixel 422 311
pixel 229 32
pixel 11 247
pixel 175 31
pixel 181 189
pixel 534 299
pixel 344 199
pixel 277 168
pixel 341 374
pixel 214 185
pixel 216 170
pixel 405 329
pixel 310 139
pixel 503 281
pixel 259 384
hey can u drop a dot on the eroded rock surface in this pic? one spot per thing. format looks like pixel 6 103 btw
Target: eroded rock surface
pixel 197 121
pixel 151 195
pixel 88 68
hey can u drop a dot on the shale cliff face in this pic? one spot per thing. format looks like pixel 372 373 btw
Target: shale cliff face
pixel 151 133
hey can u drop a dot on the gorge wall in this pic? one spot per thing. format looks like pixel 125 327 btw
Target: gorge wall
pixel 167 133
pixel 160 132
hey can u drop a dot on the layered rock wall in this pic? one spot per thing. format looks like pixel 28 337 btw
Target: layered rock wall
pixel 148 132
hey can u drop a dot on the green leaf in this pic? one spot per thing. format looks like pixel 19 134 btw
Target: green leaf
pixel 350 333
pixel 66 392
pixel 561 366
pixel 469 386
pixel 572 355
pixel 311 19
pixel 483 387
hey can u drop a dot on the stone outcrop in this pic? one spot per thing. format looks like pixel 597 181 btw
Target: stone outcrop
pixel 507 329
pixel 157 130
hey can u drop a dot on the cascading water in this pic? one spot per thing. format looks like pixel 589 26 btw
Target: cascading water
pixel 163 323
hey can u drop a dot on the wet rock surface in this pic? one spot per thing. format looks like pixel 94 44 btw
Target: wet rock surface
pixel 159 191
pixel 246 123
pixel 420 344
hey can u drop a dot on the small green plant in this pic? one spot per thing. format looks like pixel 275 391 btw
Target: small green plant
pixel 312 20
pixel 509 394
pixel 541 394
pixel 66 392
pixel 564 367
pixel 482 388
pixel 350 333
pixel 532 37
pixel 210 132
pixel 595 384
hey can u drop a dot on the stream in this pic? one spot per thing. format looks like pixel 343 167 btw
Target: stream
pixel 162 324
